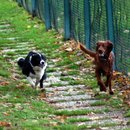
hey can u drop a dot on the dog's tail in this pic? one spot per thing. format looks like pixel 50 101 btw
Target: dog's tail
pixel 89 52
pixel 20 62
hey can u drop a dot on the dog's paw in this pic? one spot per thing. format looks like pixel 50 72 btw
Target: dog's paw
pixel 103 89
pixel 111 92
pixel 33 86
pixel 43 90
pixel 106 84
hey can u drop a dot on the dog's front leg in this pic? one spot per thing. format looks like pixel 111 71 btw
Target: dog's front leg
pixel 109 77
pixel 31 82
pixel 41 82
pixel 37 82
pixel 100 82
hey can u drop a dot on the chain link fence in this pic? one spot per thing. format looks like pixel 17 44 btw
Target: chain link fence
pixel 88 21
pixel 121 15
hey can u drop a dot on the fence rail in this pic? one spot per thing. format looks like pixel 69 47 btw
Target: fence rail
pixel 88 21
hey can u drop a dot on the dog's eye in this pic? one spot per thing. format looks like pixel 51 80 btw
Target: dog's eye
pixel 42 62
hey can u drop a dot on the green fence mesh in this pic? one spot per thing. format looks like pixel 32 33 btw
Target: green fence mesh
pixel 24 4
pixel 57 14
pixel 28 5
pixel 121 14
pixel 98 27
pixel 77 20
pixel 40 10
pixel 98 21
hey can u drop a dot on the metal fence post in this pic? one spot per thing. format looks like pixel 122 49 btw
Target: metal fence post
pixel 110 26
pixel 110 20
pixel 34 6
pixel 66 19
pixel 87 23
pixel 19 2
pixel 47 14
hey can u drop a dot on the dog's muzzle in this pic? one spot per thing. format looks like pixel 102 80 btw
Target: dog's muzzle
pixel 102 57
pixel 42 63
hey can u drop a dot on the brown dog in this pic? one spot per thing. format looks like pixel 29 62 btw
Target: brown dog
pixel 104 59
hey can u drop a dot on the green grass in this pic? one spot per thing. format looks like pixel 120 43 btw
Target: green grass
pixel 4 73
pixel 24 109
pixel 56 84
pixel 71 80
pixel 51 69
pixel 80 112
pixel 97 126
pixel 73 120
pixel 127 113
pixel 66 127
pixel 99 103
pixel 73 72
pixel 22 106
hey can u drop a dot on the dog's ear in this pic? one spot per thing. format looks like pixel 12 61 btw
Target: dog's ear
pixel 97 44
pixel 109 46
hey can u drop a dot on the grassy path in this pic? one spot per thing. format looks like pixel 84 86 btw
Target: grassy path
pixel 72 100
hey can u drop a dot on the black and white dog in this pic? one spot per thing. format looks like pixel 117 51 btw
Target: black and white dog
pixel 34 68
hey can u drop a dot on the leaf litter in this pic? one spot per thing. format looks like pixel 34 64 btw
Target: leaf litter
pixel 5 124
pixel 121 81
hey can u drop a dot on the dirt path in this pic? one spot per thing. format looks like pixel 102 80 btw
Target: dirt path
pixel 75 103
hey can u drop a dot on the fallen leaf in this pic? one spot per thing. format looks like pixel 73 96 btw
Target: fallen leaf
pixel 61 118
pixel 69 49
pixel 117 73
pixel 128 103
pixel 20 86
pixel 42 95
pixel 54 123
pixel 6 124
pixel 4 83
pixel 5 113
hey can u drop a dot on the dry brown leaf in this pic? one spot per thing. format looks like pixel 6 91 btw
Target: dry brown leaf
pixel 61 118
pixel 128 103
pixel 78 45
pixel 20 86
pixel 6 124
pixel 69 49
pixel 4 83
pixel 42 95
pixel 54 123
pixel 117 73
pixel 126 94
pixel 5 113
pixel 69 46
pixel 50 94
